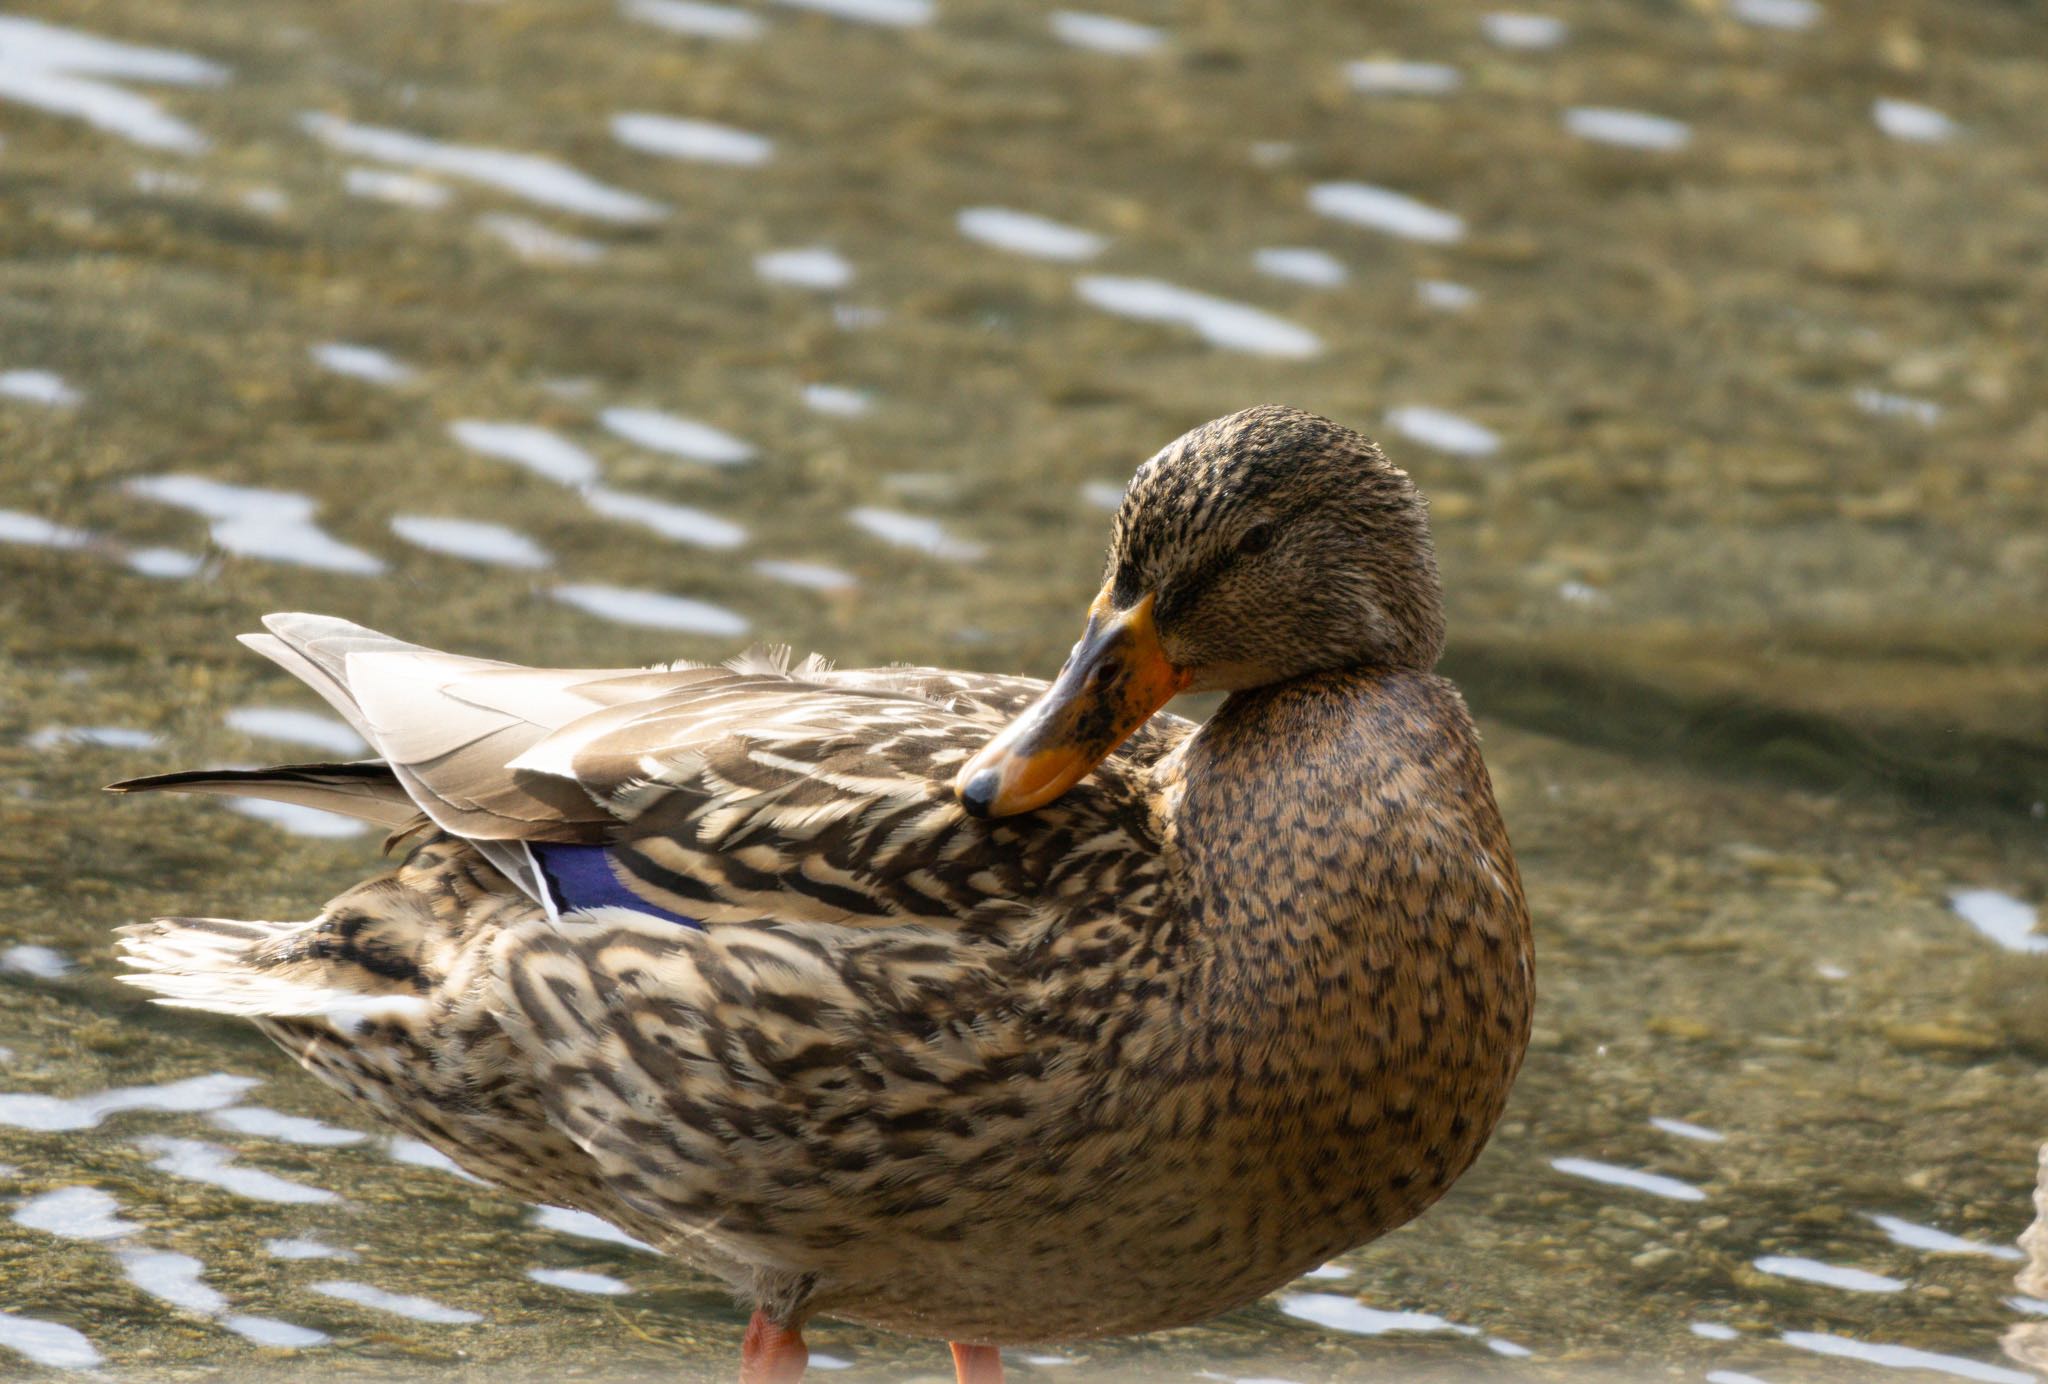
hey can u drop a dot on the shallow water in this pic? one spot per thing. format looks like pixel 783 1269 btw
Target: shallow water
pixel 596 336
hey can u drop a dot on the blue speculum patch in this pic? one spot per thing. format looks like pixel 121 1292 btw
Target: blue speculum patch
pixel 580 877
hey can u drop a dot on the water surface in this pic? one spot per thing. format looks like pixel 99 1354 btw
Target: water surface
pixel 598 336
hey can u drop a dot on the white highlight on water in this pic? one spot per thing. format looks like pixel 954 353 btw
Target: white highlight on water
pixel 1885 404
pixel 296 819
pixel 533 177
pixel 917 533
pixel 420 1154
pixel 360 362
pixel 812 576
pixel 1911 121
pixel 164 563
pixel 55 1114
pixel 696 20
pixel 1903 1232
pixel 1713 1331
pixel 2001 917
pixel 38 387
pixel 291 1129
pixel 29 959
pixel 812 266
pixel 1685 1130
pixel 1777 14
pixel 304 1249
pixel 836 400
pixel 1444 295
pixel 329 733
pixel 268 1331
pixel 419 1309
pixel 1512 29
pixel 34 43
pixel 253 522
pixel 545 453
pixel 101 105
pixel 1105 33
pixel 75 1213
pixel 682 437
pixel 298 544
pixel 584 1281
pixel 50 1344
pixel 34 531
pixel 699 140
pixel 1904 1358
pixel 399 189
pixel 1655 1184
pixel 1341 1313
pixel 1383 209
pixel 894 14
pixel 653 609
pixel 1301 264
pixel 477 540
pixel 1394 77
pixel 162 182
pixel 1218 321
pixel 58 70
pixel 199 1161
pixel 679 523
pixel 1828 1275
pixel 222 499
pixel 103 737
pixel 1026 233
pixel 1630 129
pixel 172 1278
pixel 536 242
pixel 1444 430
pixel 582 1224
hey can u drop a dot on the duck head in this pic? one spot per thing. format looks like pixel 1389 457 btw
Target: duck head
pixel 1259 548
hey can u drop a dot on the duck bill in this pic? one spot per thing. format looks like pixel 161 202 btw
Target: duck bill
pixel 1115 679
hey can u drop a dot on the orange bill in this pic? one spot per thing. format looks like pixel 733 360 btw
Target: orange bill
pixel 1114 680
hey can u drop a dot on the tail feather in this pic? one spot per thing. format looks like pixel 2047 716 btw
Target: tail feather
pixel 255 970
pixel 315 649
pixel 366 789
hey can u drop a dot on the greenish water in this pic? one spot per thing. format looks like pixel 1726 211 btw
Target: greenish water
pixel 1740 467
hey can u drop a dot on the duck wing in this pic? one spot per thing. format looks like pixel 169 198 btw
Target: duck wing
pixel 747 793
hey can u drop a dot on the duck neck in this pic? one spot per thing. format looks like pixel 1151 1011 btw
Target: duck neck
pixel 1319 828
pixel 1358 964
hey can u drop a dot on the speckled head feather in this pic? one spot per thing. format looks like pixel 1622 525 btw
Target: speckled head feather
pixel 1279 543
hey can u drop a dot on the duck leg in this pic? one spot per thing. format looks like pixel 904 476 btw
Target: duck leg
pixel 977 1364
pixel 772 1353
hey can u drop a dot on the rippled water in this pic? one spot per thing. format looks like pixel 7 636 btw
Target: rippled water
pixel 592 335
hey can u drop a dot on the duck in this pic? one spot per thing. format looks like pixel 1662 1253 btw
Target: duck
pixel 969 1006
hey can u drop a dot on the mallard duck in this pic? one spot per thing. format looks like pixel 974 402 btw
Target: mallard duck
pixel 957 1004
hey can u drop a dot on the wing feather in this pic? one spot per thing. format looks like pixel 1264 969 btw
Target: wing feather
pixel 752 792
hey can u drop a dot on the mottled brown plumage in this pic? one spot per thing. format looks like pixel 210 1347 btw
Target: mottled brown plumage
pixel 1247 995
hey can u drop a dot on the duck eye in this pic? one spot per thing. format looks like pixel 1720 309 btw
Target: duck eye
pixel 1255 540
